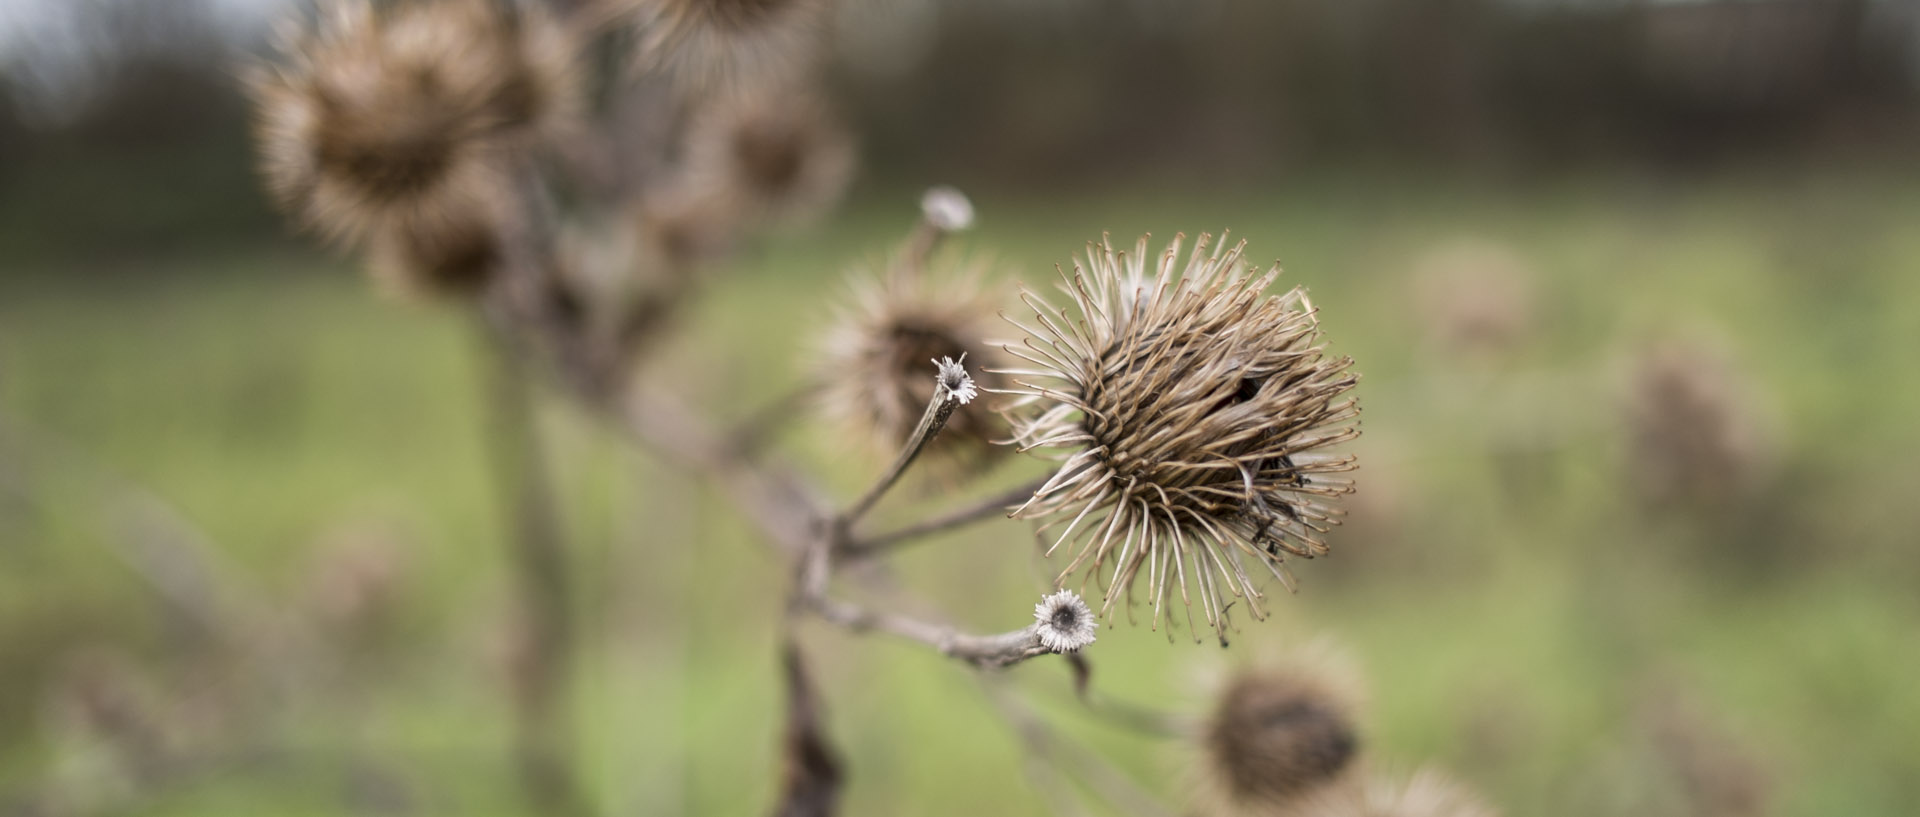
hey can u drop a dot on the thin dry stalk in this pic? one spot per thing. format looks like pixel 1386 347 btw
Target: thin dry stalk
pixel 955 388
pixel 537 554
pixel 998 504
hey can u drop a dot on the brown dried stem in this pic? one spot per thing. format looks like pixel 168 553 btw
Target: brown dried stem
pixel 982 651
pixel 878 544
pixel 935 418
pixel 538 557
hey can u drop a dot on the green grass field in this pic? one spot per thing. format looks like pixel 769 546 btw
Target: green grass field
pixel 1516 611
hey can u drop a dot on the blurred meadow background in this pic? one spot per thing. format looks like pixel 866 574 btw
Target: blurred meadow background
pixel 1632 289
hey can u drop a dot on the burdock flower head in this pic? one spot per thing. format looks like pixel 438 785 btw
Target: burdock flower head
pixel 1063 622
pixel 394 118
pixel 1278 735
pixel 873 361
pixel 704 45
pixel 1191 411
pixel 775 156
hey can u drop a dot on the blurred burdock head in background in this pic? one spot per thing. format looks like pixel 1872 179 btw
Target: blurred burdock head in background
pixel 1697 436
pixel 1191 411
pixel 1280 733
pixel 873 360
pixel 1474 295
pixel 453 254
pixel 1429 793
pixel 391 126
pixel 708 46
pixel 775 156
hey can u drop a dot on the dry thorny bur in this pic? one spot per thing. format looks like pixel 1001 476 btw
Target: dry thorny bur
pixel 1192 413
pixel 1195 417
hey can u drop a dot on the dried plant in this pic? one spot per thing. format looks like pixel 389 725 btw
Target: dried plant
pixel 774 156
pixel 872 362
pixel 1278 735
pixel 716 46
pixel 388 125
pixel 1191 412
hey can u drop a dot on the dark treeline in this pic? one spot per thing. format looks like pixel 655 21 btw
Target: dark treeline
pixel 1255 86
pixel 1045 93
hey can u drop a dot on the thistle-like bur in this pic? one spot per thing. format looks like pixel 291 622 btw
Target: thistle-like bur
pixel 1278 735
pixel 387 127
pixel 724 45
pixel 1192 412
pixel 776 156
pixel 873 362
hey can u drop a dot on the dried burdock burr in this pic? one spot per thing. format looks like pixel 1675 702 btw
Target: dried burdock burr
pixel 1192 413
pixel 399 118
pixel 776 156
pixel 873 361
pixel 1278 734
pixel 455 254
pixel 708 46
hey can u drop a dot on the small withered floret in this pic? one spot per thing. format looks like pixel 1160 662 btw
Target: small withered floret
pixel 1191 412
pixel 954 380
pixel 1064 623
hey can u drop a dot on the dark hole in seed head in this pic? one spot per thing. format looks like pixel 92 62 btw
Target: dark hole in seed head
pixel 1064 617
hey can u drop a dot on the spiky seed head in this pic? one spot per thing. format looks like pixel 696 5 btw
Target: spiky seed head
pixel 1429 793
pixel 377 118
pixel 1064 623
pixel 1278 734
pixel 1192 412
pixel 708 47
pixel 775 157
pixel 1696 438
pixel 454 255
pixel 873 361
